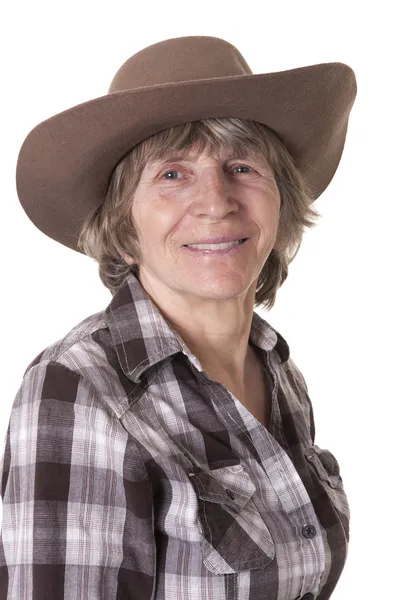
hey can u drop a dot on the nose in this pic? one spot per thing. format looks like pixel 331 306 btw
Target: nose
pixel 214 196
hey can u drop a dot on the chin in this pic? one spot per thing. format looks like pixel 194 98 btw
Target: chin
pixel 221 291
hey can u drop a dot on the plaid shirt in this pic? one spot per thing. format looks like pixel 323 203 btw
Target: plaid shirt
pixel 128 474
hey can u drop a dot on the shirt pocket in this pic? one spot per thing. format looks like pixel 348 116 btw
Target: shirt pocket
pixel 327 469
pixel 234 536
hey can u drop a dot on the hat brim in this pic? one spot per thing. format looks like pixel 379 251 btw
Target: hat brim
pixel 65 162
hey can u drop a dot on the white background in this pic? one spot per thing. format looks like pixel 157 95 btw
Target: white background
pixel 337 307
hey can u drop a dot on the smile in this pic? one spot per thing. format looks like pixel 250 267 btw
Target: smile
pixel 222 246
pixel 217 249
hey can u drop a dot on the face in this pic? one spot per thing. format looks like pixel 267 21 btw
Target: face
pixel 195 199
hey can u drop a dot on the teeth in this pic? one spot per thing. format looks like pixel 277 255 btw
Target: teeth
pixel 214 246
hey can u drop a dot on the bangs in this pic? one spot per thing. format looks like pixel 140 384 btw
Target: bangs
pixel 199 136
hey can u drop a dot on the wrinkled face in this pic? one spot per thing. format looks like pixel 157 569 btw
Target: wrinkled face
pixel 197 199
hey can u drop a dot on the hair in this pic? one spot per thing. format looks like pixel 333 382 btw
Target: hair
pixel 109 230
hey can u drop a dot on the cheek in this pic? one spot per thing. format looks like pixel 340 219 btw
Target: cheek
pixel 269 223
pixel 169 223
pixel 159 231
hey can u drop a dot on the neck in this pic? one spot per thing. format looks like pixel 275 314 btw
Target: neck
pixel 216 332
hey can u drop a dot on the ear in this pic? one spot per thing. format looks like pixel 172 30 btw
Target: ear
pixel 127 258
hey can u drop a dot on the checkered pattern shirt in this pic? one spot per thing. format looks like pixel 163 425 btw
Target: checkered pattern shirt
pixel 128 474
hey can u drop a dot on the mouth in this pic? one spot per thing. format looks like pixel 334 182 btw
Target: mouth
pixel 217 249
pixel 221 246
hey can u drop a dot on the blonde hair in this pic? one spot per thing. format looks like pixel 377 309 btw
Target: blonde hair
pixel 109 230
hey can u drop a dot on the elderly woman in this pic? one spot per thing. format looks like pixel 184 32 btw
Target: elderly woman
pixel 165 447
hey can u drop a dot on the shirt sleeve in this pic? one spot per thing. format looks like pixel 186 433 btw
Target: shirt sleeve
pixel 77 501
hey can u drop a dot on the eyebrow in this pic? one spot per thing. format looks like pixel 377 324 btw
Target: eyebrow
pixel 227 155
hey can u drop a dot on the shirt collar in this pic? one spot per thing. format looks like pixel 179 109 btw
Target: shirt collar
pixel 142 336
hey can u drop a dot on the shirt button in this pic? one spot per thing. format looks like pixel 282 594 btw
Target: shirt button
pixel 230 494
pixel 308 596
pixel 309 531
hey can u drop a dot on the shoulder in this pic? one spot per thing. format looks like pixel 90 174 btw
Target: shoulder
pixel 297 399
pixel 293 372
pixel 77 336
pixel 83 358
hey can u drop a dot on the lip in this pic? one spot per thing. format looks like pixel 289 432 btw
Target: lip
pixel 216 253
pixel 219 239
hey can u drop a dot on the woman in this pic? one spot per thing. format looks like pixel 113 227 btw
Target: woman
pixel 165 447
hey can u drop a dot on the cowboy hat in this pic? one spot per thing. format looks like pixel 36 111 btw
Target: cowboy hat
pixel 65 163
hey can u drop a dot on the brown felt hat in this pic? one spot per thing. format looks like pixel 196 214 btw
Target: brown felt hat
pixel 65 162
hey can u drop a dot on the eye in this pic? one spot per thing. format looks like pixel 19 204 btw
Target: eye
pixel 167 174
pixel 243 167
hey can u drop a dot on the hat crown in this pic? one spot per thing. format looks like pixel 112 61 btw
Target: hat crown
pixel 175 60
